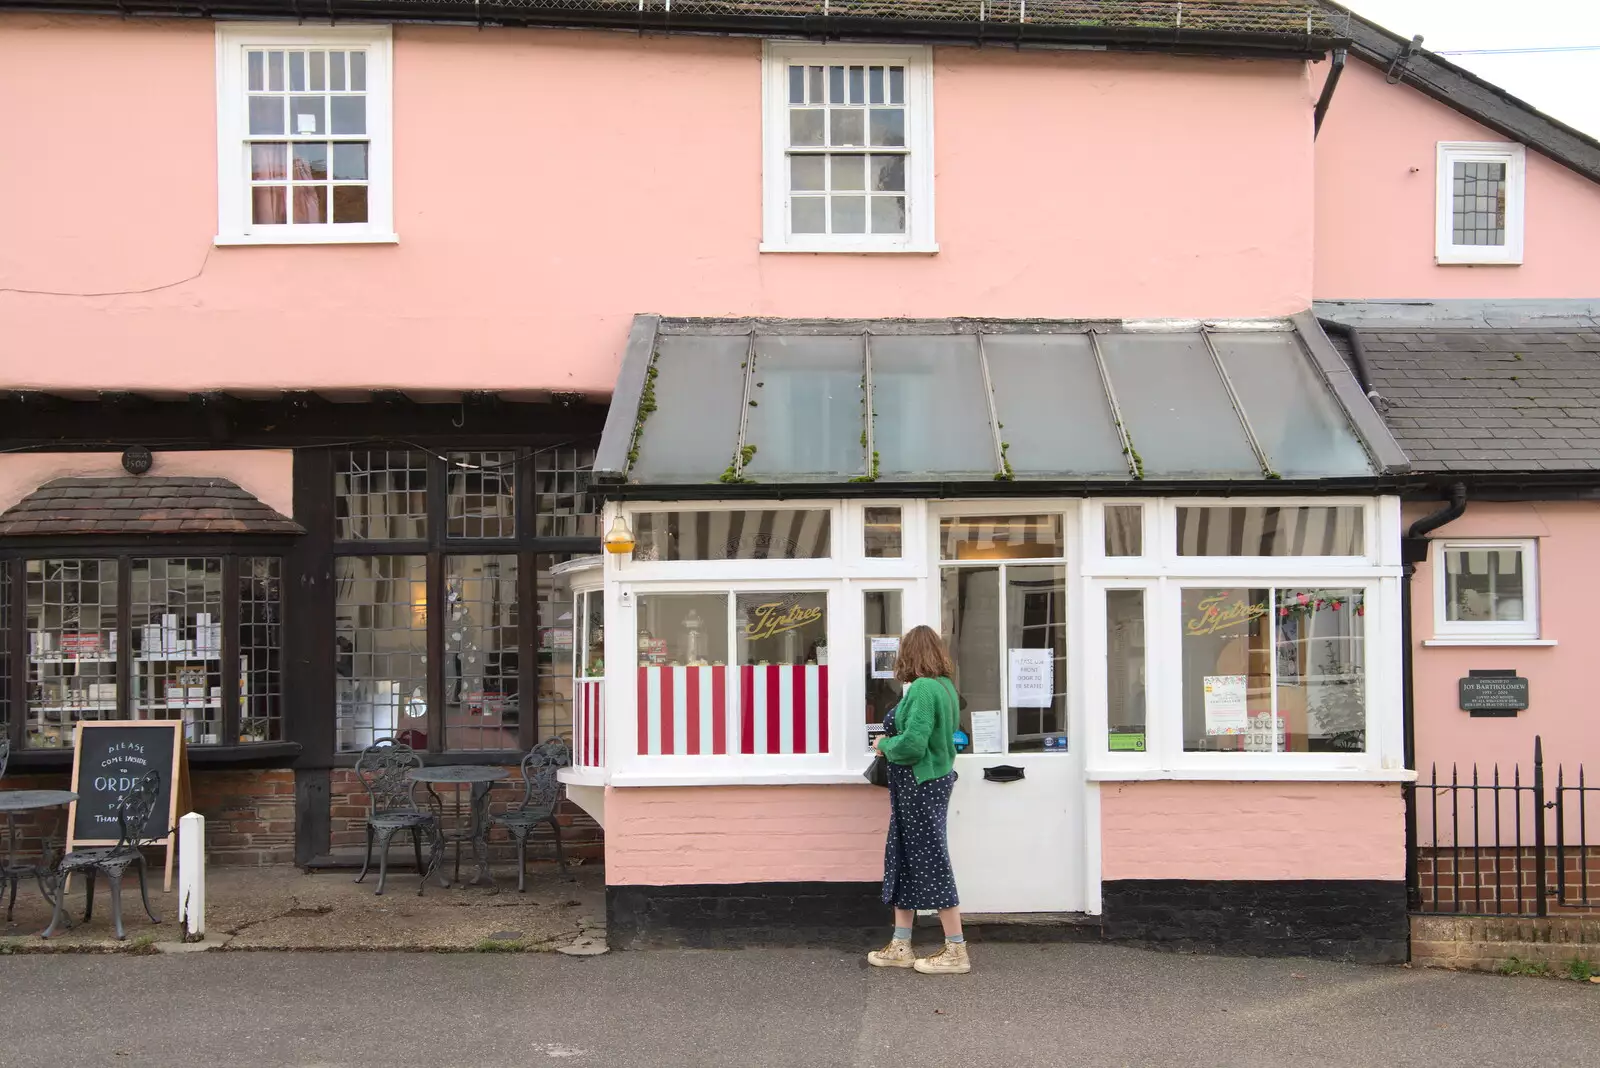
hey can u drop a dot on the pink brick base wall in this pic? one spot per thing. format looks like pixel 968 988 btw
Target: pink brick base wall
pixel 685 836
pixel 1252 830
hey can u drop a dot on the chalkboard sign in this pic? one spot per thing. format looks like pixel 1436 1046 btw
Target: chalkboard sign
pixel 110 757
pixel 1493 691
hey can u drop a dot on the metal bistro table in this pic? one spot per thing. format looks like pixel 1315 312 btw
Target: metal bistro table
pixel 476 831
pixel 12 802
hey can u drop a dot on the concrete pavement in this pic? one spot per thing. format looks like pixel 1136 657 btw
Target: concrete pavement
pixel 283 908
pixel 1078 1005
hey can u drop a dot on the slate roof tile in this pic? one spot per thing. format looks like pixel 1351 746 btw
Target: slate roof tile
pixel 1490 400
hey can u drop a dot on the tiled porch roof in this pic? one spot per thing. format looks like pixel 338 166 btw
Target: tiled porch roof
pixel 142 505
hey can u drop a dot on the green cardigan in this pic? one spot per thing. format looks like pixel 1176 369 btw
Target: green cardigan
pixel 925 724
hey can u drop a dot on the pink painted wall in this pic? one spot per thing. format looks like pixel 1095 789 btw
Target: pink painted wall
pixel 744 834
pixel 1564 703
pixel 267 473
pixel 550 184
pixel 1375 198
pixel 1252 830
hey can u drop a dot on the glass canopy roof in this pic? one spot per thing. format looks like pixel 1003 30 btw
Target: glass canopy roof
pixel 838 401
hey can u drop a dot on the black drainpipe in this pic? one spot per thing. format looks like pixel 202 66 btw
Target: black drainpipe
pixel 1414 550
pixel 1327 92
pixel 1358 352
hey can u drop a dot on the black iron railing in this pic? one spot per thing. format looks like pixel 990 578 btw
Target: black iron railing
pixel 1482 847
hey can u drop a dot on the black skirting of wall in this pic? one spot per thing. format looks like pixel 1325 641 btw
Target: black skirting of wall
pixel 744 914
pixel 1354 919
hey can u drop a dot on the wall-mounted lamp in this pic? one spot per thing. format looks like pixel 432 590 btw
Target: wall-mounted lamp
pixel 619 539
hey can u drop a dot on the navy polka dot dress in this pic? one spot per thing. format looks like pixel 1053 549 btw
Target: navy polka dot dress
pixel 916 857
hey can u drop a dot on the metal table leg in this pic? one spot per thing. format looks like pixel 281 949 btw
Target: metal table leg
pixel 480 835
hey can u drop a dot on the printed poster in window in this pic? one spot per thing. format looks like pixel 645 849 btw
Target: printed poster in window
pixel 1225 704
pixel 885 655
pixel 1288 648
pixel 1032 678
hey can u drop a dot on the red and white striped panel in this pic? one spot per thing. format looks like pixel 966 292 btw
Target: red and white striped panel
pixel 783 708
pixel 683 711
pixel 588 724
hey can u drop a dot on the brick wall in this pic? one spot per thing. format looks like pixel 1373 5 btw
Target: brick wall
pixel 249 814
pixel 1489 943
pixel 1487 880
pixel 349 805
pixel 716 835
pixel 1252 830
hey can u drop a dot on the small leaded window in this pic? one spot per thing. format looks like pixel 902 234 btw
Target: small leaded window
pixel 202 643
pixel 381 495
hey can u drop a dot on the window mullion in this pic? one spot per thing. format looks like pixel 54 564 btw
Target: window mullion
pixel 230 650
pixel 434 584
pixel 528 650
pixel 124 645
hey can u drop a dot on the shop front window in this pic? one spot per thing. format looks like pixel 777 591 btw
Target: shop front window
pixel 1125 671
pixel 881 538
pixel 1124 530
pixel 177 644
pixel 884 627
pixel 450 634
pixel 765 534
pixel 481 652
pixel 201 642
pixel 72 647
pixel 381 638
pixel 683 674
pixel 1016 537
pixel 783 672
pixel 1006 627
pixel 594 632
pixel 1274 670
pixel 1272 530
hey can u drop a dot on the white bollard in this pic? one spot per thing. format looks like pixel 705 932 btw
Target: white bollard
pixel 192 876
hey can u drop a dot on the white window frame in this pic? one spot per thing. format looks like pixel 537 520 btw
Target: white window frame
pixel 1487 632
pixel 234 226
pixel 843 577
pixel 918 61
pixel 1163 574
pixel 1160 572
pixel 1514 156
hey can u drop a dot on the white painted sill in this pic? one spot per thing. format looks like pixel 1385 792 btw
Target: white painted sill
pixel 582 776
pixel 1475 259
pixel 1103 774
pixel 919 249
pixel 1488 643
pixel 225 240
pixel 828 777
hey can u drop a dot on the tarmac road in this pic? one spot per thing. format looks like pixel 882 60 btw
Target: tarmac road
pixel 1023 1005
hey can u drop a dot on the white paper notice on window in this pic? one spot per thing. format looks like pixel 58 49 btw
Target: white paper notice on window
pixel 885 654
pixel 1032 678
pixel 305 124
pixel 986 734
pixel 1225 704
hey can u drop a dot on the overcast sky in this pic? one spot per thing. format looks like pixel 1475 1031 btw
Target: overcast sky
pixel 1563 84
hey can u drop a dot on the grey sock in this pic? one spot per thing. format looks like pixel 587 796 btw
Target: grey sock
pixel 959 938
pixel 902 934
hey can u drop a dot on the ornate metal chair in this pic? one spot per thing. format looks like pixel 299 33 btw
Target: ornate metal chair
pixel 541 791
pixel 382 769
pixel 134 809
